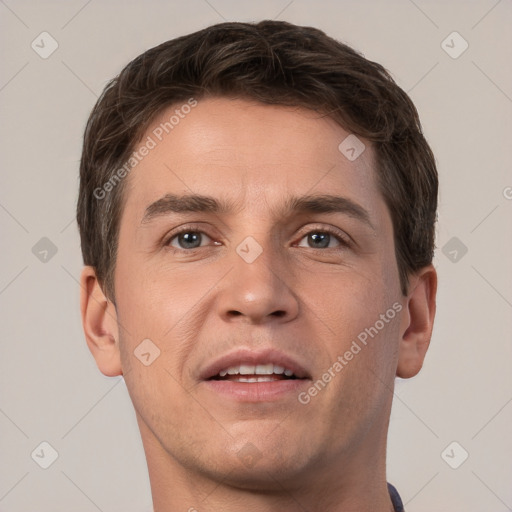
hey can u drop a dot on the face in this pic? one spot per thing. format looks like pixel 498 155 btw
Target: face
pixel 261 277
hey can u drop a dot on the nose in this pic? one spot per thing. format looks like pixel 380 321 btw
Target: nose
pixel 258 291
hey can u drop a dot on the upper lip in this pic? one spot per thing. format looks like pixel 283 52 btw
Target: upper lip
pixel 253 357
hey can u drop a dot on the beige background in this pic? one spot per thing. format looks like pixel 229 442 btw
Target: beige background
pixel 50 388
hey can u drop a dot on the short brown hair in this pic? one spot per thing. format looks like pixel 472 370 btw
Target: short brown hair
pixel 273 62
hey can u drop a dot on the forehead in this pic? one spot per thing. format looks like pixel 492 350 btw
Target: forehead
pixel 248 153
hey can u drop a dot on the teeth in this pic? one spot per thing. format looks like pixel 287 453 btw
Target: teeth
pixel 246 369
pixel 264 369
pixel 255 379
pixel 260 369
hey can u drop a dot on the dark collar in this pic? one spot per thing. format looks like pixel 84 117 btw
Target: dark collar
pixel 395 499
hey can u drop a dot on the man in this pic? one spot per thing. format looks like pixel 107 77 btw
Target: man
pixel 257 208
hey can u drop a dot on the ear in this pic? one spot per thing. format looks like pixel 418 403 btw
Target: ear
pixel 417 322
pixel 99 322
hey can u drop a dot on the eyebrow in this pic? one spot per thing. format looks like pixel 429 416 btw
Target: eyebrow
pixel 325 203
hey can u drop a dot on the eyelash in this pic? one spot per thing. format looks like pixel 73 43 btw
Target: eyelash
pixel 344 240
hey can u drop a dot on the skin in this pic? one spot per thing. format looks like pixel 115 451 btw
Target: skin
pixel 309 301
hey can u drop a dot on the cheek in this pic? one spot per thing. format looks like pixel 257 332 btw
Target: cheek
pixel 165 306
pixel 150 300
pixel 151 312
pixel 348 299
pixel 359 321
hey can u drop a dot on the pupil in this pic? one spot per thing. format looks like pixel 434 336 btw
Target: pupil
pixel 323 238
pixel 188 239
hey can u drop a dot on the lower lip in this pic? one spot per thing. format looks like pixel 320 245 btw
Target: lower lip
pixel 257 391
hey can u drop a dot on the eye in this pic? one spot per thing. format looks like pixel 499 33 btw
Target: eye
pixel 187 239
pixel 324 239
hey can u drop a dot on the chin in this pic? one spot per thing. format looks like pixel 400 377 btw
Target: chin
pixel 265 461
pixel 264 475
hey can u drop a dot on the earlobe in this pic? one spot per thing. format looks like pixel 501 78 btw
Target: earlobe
pixel 99 322
pixel 417 322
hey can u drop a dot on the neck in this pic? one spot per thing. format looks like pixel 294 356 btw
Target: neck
pixel 354 481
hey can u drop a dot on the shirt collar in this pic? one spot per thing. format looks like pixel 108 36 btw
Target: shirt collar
pixel 395 498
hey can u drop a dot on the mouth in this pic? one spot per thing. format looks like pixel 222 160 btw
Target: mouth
pixel 249 376
pixel 255 373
